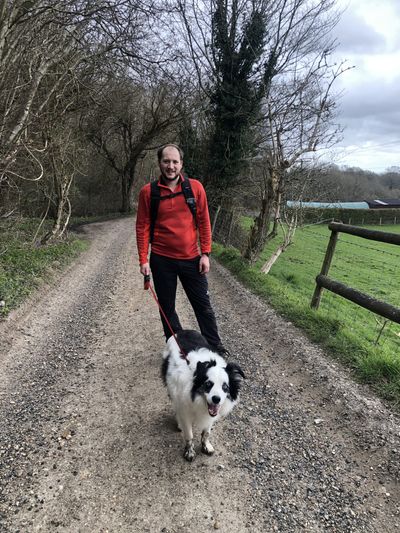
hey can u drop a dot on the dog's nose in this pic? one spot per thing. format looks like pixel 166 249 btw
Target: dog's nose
pixel 216 400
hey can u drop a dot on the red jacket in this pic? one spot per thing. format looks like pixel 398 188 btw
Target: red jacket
pixel 175 233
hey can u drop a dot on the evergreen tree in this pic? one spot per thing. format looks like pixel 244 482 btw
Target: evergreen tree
pixel 238 88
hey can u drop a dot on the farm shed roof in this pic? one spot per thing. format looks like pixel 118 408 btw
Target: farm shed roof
pixel 382 204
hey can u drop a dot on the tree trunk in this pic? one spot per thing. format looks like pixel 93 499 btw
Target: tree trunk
pixel 271 261
pixel 124 194
pixel 287 241
pixel 259 233
pixel 62 214
pixel 214 223
pixel 128 179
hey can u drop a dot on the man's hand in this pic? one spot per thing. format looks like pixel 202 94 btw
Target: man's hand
pixel 145 269
pixel 204 265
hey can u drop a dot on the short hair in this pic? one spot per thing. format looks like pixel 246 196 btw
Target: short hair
pixel 161 149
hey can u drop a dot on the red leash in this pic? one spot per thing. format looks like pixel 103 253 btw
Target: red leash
pixel 147 285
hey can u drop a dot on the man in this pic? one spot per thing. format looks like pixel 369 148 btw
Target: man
pixel 175 251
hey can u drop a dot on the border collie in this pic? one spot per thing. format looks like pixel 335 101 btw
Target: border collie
pixel 203 387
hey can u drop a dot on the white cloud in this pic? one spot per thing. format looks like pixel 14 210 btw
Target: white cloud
pixel 356 36
pixel 369 37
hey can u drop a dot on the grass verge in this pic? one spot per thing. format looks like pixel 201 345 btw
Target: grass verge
pixel 25 265
pixel 361 340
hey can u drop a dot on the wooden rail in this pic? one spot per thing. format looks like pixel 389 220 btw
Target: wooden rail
pixel 373 235
pixel 323 282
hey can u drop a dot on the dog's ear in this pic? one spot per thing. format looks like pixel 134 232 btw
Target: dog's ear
pixel 233 369
pixel 236 375
pixel 203 366
pixel 200 367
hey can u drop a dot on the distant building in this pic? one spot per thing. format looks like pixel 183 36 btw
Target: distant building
pixel 383 204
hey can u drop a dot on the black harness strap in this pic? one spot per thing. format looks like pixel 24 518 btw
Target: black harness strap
pixel 190 199
pixel 155 198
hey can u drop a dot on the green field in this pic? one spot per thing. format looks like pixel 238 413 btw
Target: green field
pixel 362 340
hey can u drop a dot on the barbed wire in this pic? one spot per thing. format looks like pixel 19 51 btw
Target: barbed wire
pixel 370 248
pixel 364 246
pixel 317 223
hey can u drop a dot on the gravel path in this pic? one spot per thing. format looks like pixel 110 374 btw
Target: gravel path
pixel 87 435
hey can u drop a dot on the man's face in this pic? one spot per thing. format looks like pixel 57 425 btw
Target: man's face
pixel 170 163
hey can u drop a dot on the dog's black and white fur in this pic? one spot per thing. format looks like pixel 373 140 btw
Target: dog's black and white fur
pixel 203 388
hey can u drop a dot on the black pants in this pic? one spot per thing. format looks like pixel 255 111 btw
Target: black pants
pixel 166 272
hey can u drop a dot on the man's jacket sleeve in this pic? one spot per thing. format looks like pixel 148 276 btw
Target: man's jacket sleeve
pixel 143 225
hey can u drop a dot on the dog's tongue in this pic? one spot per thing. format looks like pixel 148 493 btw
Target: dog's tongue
pixel 213 409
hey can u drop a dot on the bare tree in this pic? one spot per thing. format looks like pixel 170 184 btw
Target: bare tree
pixel 31 47
pixel 298 179
pixel 299 118
pixel 62 161
pixel 45 43
pixel 244 52
pixel 128 122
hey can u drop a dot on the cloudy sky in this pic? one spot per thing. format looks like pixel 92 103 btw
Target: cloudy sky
pixel 369 37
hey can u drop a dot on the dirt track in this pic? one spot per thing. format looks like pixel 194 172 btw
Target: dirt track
pixel 88 441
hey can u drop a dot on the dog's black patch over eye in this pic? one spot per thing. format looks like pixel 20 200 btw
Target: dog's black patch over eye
pixel 208 385
pixel 225 387
pixel 200 377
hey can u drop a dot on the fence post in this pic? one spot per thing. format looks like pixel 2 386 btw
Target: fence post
pixel 228 237
pixel 316 299
pixel 215 220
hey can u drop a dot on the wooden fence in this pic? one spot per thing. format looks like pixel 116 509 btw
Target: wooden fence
pixel 324 282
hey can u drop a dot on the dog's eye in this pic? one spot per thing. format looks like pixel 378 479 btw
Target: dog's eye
pixel 208 385
pixel 225 387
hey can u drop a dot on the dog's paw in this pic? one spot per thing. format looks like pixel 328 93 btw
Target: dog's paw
pixel 189 453
pixel 207 448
